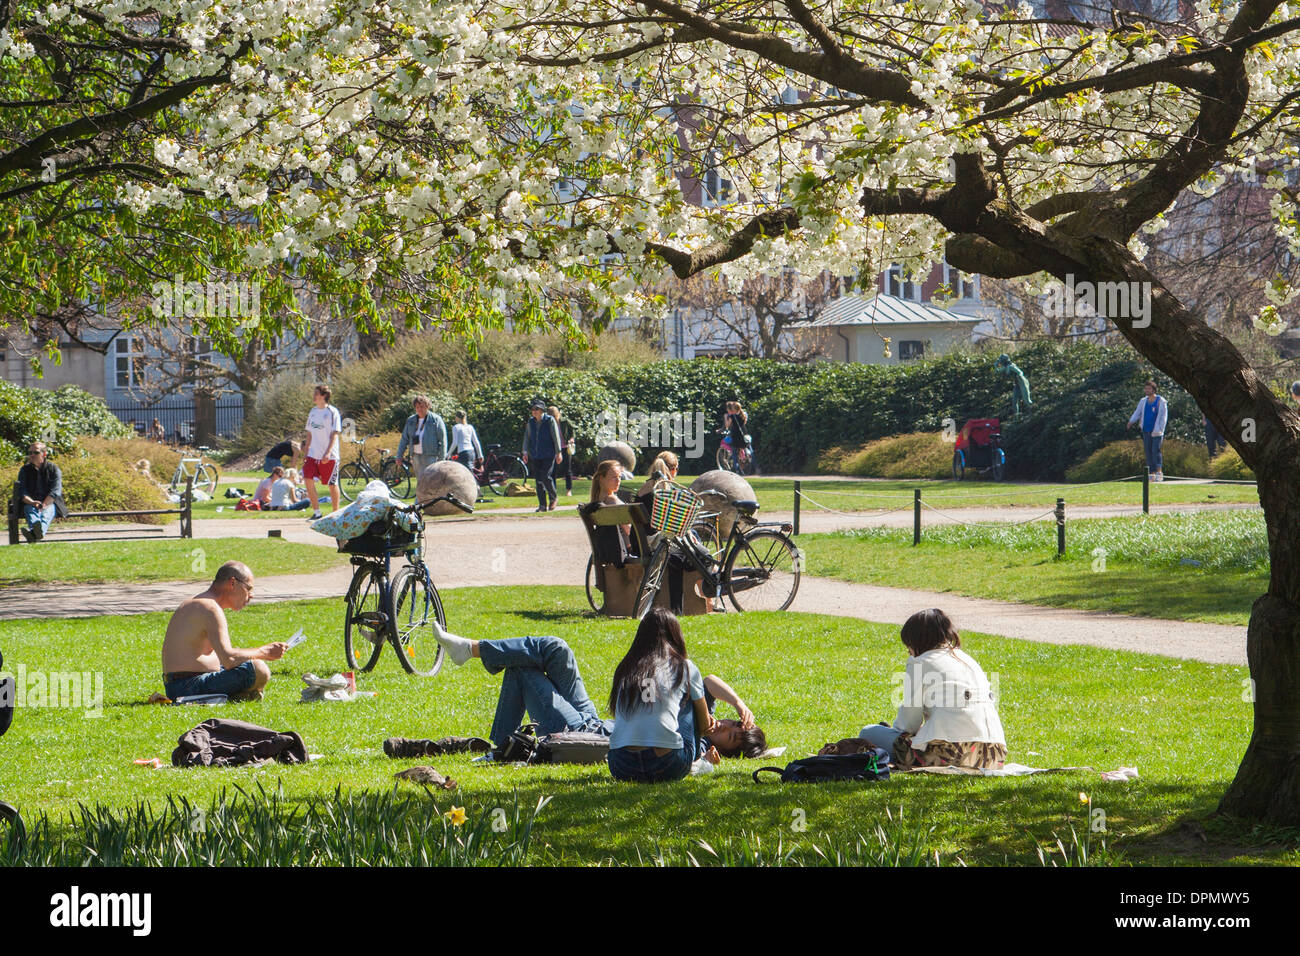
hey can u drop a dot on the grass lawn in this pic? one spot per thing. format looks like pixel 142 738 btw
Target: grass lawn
pixel 809 679
pixel 169 559
pixel 1196 567
pixel 862 495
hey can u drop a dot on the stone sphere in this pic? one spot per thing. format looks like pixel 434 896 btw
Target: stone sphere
pixel 733 486
pixel 442 478
pixel 621 452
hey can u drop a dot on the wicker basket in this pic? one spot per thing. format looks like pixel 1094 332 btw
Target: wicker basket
pixel 674 510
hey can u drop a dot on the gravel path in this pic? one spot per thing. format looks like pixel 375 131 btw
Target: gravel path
pixel 504 549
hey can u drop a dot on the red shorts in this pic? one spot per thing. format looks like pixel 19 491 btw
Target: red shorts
pixel 324 471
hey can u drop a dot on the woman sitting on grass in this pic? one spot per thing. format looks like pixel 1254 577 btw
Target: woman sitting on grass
pixel 948 717
pixel 661 705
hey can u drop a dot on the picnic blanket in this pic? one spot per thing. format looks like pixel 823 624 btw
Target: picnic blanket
pixel 373 504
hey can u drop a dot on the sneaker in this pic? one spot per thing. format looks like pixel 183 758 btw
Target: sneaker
pixel 538 510
pixel 27 533
pixel 1158 476
pixel 313 517
pixel 486 758
pixel 38 533
pixel 551 507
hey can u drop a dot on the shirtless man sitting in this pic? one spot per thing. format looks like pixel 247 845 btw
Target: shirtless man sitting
pixel 197 656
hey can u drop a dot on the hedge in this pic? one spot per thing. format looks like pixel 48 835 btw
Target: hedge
pixel 499 410
pixel 54 417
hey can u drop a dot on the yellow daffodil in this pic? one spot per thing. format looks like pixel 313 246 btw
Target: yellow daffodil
pixel 1083 797
pixel 456 815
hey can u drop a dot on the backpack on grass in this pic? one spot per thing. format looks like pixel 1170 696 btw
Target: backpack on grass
pixel 572 746
pixel 870 765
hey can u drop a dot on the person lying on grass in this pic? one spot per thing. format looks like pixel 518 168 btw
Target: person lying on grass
pixel 197 657
pixel 948 717
pixel 540 675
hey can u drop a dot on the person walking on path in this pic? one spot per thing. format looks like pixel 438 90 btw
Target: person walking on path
pixel 1152 412
pixel 465 447
pixel 425 433
pixel 566 436
pixel 38 492
pixel 543 450
pixel 324 425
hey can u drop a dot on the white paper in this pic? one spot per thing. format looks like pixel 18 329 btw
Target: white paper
pixel 297 639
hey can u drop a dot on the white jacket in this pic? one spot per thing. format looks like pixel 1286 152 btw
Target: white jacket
pixel 1162 415
pixel 947 697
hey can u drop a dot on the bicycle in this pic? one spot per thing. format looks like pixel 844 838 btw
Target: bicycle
pixel 495 471
pixel 205 474
pixel 355 475
pixel 383 606
pixel 758 559
pixel 744 461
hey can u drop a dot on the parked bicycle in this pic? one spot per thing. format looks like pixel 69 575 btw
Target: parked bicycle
pixel 743 464
pixel 396 608
pixel 496 471
pixel 355 475
pixel 205 474
pixel 757 567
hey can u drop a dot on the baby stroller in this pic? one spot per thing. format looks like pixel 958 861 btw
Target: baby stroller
pixel 979 449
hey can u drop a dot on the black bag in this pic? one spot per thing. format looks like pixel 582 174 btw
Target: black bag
pixel 572 746
pixel 520 745
pixel 869 765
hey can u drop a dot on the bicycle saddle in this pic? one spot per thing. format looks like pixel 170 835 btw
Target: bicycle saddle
pixel 488 448
pixel 748 506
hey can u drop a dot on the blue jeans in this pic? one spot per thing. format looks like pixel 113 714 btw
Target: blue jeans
pixel 1151 445
pixel 37 515
pixel 540 676
pixel 643 766
pixel 270 464
pixel 233 681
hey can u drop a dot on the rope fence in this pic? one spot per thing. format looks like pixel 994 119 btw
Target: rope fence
pixel 1058 512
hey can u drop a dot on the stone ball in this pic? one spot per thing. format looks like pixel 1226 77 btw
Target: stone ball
pixel 728 483
pixel 621 452
pixel 442 478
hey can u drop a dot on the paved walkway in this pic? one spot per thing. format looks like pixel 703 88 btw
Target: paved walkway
pixel 497 549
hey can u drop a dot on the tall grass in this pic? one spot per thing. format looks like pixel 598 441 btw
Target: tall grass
pixel 265 829
pixel 1227 541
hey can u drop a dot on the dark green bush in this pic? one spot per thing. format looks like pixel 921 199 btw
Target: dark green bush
pixel 392 418
pixel 54 417
pixel 498 410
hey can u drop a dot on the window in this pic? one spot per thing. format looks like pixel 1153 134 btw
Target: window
pixel 715 188
pixel 909 349
pixel 198 352
pixel 962 286
pixel 128 358
pixel 900 284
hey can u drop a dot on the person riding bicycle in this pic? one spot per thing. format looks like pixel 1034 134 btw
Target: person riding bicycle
pixel 425 433
pixel 736 423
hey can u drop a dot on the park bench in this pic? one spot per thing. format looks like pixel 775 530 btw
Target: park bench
pixel 81 533
pixel 618 575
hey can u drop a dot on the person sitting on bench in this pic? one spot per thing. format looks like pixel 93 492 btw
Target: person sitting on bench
pixel 38 492
pixel 540 675
pixel 197 656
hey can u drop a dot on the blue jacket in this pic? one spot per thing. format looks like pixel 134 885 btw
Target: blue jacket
pixel 434 444
pixel 542 438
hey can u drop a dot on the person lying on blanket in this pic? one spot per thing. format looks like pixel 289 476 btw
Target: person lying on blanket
pixel 948 717
pixel 540 675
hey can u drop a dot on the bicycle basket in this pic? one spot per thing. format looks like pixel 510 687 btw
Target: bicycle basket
pixel 674 510
pixel 379 539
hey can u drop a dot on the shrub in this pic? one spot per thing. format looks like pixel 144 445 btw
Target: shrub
pixel 127 451
pixel 83 413
pixel 919 455
pixel 348 451
pixel 1228 465
pixel 28 415
pixel 1121 459
pixel 98 482
pixel 498 410
pixel 394 417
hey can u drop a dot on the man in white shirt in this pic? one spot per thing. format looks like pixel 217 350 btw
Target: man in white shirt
pixel 324 426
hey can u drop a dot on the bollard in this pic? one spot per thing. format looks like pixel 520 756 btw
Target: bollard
pixel 916 518
pixel 1060 527
pixel 1146 492
pixel 798 493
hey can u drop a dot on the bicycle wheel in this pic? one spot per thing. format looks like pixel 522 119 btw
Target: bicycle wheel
pixel 762 572
pixel 352 480
pixel 958 465
pixel 723 458
pixel 651 578
pixel 508 469
pixel 595 596
pixel 366 623
pixel 206 478
pixel 746 463
pixel 397 477
pixel 415 605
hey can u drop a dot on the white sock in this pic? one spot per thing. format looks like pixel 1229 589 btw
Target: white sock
pixel 458 648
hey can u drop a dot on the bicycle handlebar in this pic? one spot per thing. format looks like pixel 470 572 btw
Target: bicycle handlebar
pixel 449 498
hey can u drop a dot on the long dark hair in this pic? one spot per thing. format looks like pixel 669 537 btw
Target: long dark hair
pixel 658 641
pixel 926 630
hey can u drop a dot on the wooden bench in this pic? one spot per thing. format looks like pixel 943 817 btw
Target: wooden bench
pixel 185 511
